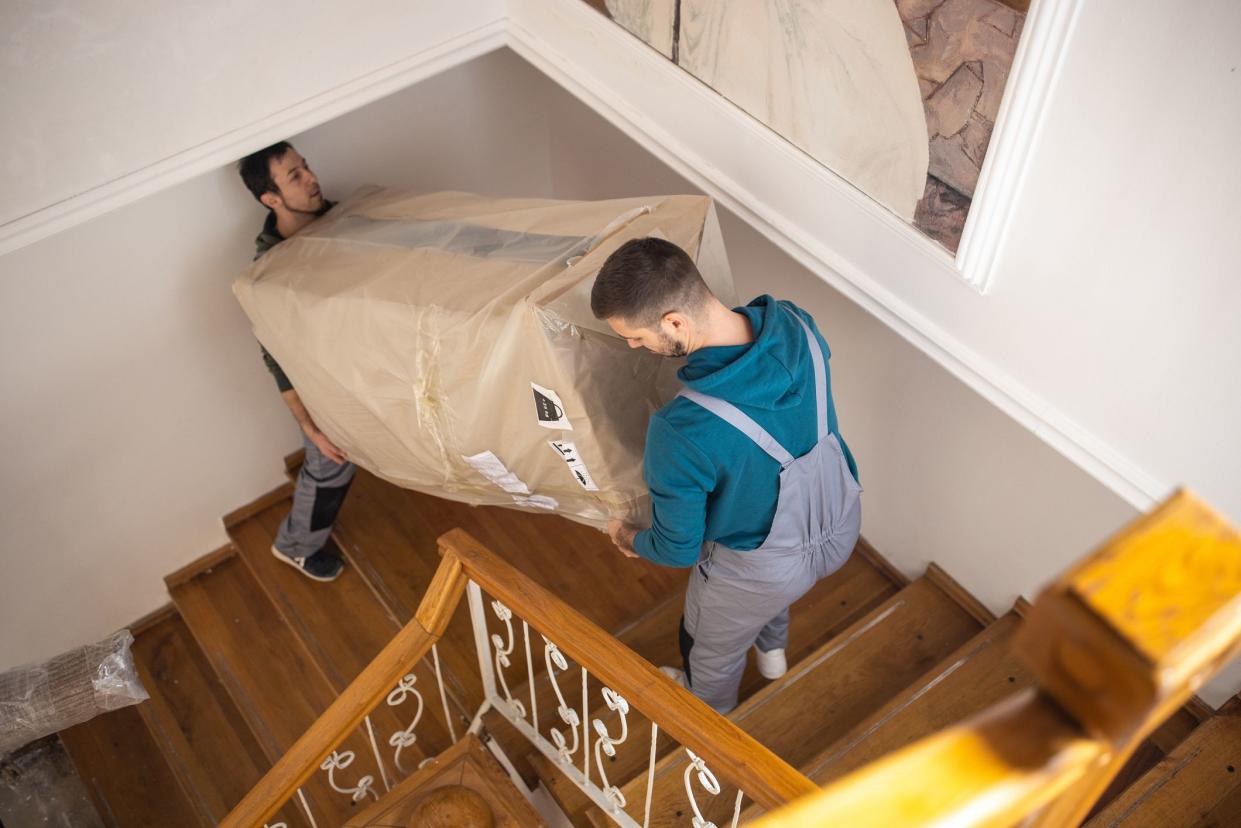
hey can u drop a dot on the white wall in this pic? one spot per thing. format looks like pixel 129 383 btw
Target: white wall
pixel 108 100
pixel 136 410
pixel 948 477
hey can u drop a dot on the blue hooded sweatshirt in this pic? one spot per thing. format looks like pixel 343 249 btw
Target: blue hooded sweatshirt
pixel 708 481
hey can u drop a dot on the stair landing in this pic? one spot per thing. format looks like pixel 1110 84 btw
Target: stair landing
pixel 466 763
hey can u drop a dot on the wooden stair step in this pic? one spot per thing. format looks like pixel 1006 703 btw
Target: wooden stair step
pixel 980 673
pixel 577 562
pixel 273 680
pixel 343 625
pixel 823 695
pixel 194 722
pixel 828 608
pixel 126 774
pixel 1197 784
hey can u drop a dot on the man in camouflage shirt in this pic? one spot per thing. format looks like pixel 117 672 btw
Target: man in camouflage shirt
pixel 282 182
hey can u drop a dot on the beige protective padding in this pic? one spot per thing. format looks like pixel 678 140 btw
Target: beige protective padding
pixel 415 328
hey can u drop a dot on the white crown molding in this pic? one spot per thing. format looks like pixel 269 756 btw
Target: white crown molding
pixel 827 225
pixel 229 146
pixel 1040 53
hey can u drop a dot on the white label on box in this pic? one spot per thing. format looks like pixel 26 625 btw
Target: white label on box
pixel 537 501
pixel 494 470
pixel 568 453
pixel 549 409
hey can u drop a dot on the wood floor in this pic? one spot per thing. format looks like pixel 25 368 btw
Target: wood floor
pixel 249 653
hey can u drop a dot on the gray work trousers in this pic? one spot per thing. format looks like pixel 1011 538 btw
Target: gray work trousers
pixel 738 599
pixel 317 497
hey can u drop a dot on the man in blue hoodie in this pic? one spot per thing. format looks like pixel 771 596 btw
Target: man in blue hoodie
pixel 750 481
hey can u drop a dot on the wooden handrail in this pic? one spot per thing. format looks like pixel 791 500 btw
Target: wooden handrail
pixel 988 772
pixel 1118 643
pixel 730 752
pixel 409 645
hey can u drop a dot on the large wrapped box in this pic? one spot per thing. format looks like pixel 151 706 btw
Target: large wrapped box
pixel 445 342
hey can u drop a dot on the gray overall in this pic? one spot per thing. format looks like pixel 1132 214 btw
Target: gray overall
pixel 737 599
pixel 317 497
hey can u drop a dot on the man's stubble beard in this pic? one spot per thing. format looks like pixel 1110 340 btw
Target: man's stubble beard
pixel 671 348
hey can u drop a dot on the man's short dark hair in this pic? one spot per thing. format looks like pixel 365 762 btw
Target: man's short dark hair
pixel 645 279
pixel 255 169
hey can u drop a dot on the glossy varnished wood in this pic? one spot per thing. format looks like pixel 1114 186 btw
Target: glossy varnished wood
pixel 347 711
pixel 734 754
pixel 1124 637
pixel 827 692
pixel 342 624
pixel 989 772
pixel 1198 784
pixel 981 672
pixel 278 688
pixel 466 763
pixel 828 608
pixel 125 773
pixel 196 725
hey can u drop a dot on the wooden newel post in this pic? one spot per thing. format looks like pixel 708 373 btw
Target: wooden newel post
pixel 1126 636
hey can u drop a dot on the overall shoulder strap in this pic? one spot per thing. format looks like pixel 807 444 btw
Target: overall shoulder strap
pixel 732 415
pixel 820 372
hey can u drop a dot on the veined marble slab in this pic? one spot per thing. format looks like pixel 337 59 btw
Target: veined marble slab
pixel 651 20
pixel 834 77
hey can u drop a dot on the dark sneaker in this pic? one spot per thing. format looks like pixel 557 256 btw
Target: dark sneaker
pixel 321 566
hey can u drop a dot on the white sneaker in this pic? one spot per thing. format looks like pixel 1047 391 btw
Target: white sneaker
pixel 771 664
pixel 676 675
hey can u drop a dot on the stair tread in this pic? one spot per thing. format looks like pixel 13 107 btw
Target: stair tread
pixel 1198 783
pixel 128 779
pixel 194 722
pixel 342 624
pixel 278 689
pixel 846 679
pixel 981 672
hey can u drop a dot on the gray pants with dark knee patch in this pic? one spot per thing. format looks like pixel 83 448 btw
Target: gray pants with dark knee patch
pixel 317 498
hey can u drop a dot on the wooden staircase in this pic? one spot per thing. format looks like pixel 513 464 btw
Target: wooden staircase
pixel 250 653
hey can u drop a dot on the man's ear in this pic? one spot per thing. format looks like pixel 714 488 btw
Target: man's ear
pixel 271 200
pixel 674 321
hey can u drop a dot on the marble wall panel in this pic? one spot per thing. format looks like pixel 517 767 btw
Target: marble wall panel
pixel 834 77
pixel 900 97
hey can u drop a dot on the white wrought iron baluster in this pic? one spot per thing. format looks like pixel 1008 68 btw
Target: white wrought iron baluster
pixel 534 699
pixel 606 744
pixel 555 659
pixel 504 648
pixel 709 783
pixel 383 771
pixel 737 808
pixel 650 775
pixel 404 738
pixel 439 681
pixel 478 619
pixel 339 760
pixel 585 718
pixel 310 817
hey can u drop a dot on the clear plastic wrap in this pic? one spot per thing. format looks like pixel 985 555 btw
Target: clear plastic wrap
pixel 38 699
pixel 445 342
